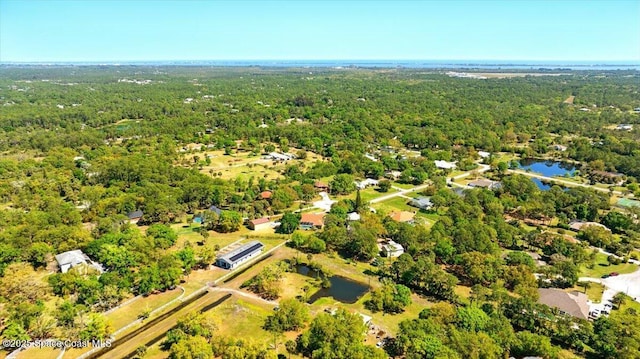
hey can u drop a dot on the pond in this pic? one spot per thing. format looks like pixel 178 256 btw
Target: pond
pixel 548 168
pixel 342 289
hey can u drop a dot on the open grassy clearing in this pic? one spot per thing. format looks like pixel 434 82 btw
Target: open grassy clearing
pixel 594 291
pixel 602 267
pixel 629 303
pixel 242 164
pixel 402 185
pixel 128 313
pixel 371 193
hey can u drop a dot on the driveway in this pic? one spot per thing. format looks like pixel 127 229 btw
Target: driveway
pixel 625 283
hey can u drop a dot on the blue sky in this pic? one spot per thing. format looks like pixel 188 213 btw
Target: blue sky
pixel 118 30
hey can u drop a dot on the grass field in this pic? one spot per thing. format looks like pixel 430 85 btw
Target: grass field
pixel 241 164
pixel 394 204
pixel 370 193
pixel 128 313
pixel 602 267
pixel 629 303
pixel 594 292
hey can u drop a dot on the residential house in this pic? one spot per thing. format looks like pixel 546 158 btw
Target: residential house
pixel 240 255
pixel 70 259
pixel 579 225
pixel 560 148
pixel 265 195
pixel 624 127
pixel 422 203
pixel 312 221
pixel 259 223
pixel 215 210
pixel 353 216
pixel 568 303
pixel 484 154
pixel 392 249
pixel 135 216
pixel 371 157
pixel 485 183
pixel 366 183
pixel 321 186
pixel 402 216
pixel 445 165
pixel 282 157
pixel 393 175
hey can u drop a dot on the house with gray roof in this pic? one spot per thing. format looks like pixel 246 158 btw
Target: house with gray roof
pixel 135 216
pixel 422 203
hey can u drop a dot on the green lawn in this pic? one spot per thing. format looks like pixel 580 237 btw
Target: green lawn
pixel 402 185
pixel 594 291
pixel 370 193
pixel 629 303
pixel 602 267
pixel 127 314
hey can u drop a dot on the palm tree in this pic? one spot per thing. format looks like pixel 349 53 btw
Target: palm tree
pixel 619 299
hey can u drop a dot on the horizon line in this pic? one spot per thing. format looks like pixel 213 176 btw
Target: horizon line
pixel 494 61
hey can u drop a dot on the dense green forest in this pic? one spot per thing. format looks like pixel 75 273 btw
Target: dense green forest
pixel 83 147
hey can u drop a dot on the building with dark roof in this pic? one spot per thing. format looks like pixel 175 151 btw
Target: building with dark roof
pixel 240 255
pixel 135 216
pixel 215 210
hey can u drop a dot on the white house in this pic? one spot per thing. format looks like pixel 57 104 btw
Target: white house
pixel 353 216
pixel 283 157
pixel 392 249
pixel 445 165
pixel 366 183
pixel 371 157
pixel 70 259
pixel 484 154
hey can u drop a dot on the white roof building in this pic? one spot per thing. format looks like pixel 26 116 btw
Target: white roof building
pixel 484 154
pixel 366 183
pixel 392 249
pixel 353 216
pixel 281 156
pixel 445 165
pixel 70 259
pixel 371 157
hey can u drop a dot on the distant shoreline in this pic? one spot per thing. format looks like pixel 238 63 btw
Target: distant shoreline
pixel 350 64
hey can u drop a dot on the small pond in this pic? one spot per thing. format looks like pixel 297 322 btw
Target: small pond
pixel 548 168
pixel 342 289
